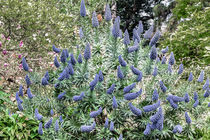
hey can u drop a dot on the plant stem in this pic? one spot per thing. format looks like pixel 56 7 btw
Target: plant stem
pixel 148 68
pixel 115 48
pixel 136 59
pixel 126 52
pixel 85 67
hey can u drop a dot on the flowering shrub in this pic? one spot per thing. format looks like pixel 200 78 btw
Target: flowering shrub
pixel 112 87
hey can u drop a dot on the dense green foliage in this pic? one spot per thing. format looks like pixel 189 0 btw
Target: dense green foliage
pixel 17 127
pixel 40 23
pixel 190 40
pixel 36 23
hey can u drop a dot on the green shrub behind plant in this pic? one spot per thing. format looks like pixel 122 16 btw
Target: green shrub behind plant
pixel 190 40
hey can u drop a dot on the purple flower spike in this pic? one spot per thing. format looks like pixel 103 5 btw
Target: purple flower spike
pixel 171 59
pixel 60 96
pixel 135 110
pixel 79 59
pixel 101 77
pixel 140 29
pixel 155 95
pixel 21 90
pixel 62 75
pixel 159 124
pixel 135 70
pixel 157 60
pixel 67 53
pixel 24 64
pixel 71 69
pixel 187 118
pixel 195 96
pixel 94 114
pixel 207 93
pixel 120 74
pixel 28 81
pixel 56 126
pixel 95 22
pixel 190 77
pixel 20 107
pixel 37 115
pixel 153 126
pixel 134 48
pixel 196 103
pixel 56 50
pixel 111 89
pixel 47 76
pixel 201 77
pixel 157 116
pixel 132 96
pixel 30 95
pixel 51 112
pixel 186 98
pixel 155 72
pixel 18 98
pixel 181 69
pixel 82 9
pixel 175 98
pixel 63 56
pixel 87 52
pixel 177 128
pixel 163 60
pixel 114 102
pixel 94 82
pixel 152 107
pixel 88 128
pixel 106 125
pixel 121 137
pixel 111 128
pixel 108 14
pixel 122 61
pixel 81 34
pixel 136 36
pixel 154 39
pixel 120 35
pixel 148 33
pixel 153 53
pixel 44 81
pixel 139 78
pixel 116 28
pixel 72 59
pixel 129 88
pixel 60 119
pixel 173 104
pixel 164 50
pixel 126 39
pixel 162 86
pixel 40 131
pixel 206 85
pixel 208 104
pixel 77 98
pixel 56 63
pixel 48 124
pixel 147 131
